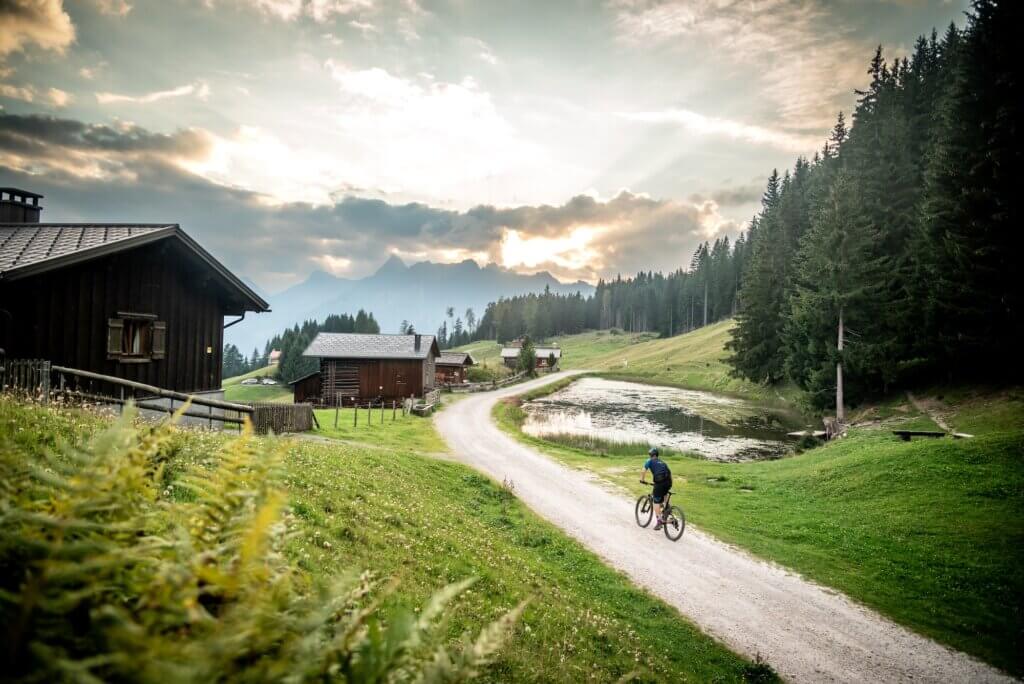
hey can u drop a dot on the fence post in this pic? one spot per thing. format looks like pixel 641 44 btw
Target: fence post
pixel 393 403
pixel 369 414
pixel 46 382
pixel 381 411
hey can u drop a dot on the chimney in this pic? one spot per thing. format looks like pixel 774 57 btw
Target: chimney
pixel 419 339
pixel 19 206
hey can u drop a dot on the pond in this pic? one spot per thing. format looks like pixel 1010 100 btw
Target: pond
pixel 711 425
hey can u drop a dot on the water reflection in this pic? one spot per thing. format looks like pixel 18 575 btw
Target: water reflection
pixel 712 425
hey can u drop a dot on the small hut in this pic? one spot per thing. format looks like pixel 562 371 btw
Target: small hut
pixel 373 367
pixel 452 367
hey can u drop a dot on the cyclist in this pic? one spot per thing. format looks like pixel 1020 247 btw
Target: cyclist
pixel 662 481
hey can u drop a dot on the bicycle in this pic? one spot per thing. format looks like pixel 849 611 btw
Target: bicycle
pixel 672 517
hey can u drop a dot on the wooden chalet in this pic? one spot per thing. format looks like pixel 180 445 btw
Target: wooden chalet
pixel 364 367
pixel 141 302
pixel 452 366
pixel 510 356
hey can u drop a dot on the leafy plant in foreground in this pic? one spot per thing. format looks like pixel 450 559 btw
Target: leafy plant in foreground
pixel 108 571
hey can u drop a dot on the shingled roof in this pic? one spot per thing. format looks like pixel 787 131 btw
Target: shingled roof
pixel 452 358
pixel 369 346
pixel 31 248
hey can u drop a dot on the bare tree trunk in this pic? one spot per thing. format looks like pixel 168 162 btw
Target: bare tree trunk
pixel 705 302
pixel 840 410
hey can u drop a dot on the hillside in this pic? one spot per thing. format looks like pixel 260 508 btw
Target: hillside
pixel 927 532
pixel 234 390
pixel 695 360
pixel 398 513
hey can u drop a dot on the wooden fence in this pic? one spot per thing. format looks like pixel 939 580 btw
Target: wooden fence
pixel 485 386
pixel 280 418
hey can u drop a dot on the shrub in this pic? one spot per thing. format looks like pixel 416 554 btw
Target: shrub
pixel 111 570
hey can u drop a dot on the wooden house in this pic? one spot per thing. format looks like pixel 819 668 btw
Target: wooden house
pixel 142 302
pixel 364 367
pixel 306 390
pixel 452 366
pixel 510 356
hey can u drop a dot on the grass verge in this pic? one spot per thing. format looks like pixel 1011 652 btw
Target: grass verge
pixel 930 532
pixel 425 522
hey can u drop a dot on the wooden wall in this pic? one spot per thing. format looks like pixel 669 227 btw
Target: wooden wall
pixel 62 315
pixel 307 390
pixel 390 379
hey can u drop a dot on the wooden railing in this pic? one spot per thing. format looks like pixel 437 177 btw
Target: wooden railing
pixel 484 386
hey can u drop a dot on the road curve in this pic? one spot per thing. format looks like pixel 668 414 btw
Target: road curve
pixel 806 632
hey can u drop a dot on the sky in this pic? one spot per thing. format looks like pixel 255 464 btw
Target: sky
pixel 587 139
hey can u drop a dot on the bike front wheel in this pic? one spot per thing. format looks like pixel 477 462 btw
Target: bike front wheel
pixel 675 523
pixel 644 511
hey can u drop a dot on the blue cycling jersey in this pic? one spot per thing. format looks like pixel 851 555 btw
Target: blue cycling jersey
pixel 659 469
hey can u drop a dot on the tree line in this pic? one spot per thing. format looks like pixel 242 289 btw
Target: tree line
pixel 668 304
pixel 886 260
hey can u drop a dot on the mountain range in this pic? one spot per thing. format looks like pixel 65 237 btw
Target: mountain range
pixel 418 293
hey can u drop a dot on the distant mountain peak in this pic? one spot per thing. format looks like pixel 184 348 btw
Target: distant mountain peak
pixel 394 264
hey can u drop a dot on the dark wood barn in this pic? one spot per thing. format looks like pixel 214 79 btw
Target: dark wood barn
pixel 547 357
pixel 373 367
pixel 452 366
pixel 140 302
pixel 306 390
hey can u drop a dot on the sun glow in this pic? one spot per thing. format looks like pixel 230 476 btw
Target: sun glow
pixel 571 251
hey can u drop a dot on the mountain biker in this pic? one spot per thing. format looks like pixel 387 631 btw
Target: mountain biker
pixel 662 481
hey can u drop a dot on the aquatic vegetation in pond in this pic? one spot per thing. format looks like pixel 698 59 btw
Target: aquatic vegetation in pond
pixel 711 425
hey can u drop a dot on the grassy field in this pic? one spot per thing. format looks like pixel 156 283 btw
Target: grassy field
pixel 235 391
pixel 930 532
pixel 409 432
pixel 426 522
pixel 694 361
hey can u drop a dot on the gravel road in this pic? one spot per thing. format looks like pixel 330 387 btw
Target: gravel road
pixel 806 632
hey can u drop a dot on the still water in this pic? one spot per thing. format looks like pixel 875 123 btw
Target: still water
pixel 717 427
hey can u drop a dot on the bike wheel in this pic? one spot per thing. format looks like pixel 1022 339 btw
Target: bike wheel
pixel 644 511
pixel 675 523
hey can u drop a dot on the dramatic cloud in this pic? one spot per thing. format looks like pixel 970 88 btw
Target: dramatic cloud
pixel 42 23
pixel 126 173
pixel 808 61
pixel 46 144
pixel 200 89
pixel 55 97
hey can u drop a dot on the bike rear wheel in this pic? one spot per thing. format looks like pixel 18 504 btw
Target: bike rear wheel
pixel 675 523
pixel 644 511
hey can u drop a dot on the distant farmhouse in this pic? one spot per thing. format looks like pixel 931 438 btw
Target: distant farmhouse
pixel 452 367
pixel 141 302
pixel 275 357
pixel 547 357
pixel 364 367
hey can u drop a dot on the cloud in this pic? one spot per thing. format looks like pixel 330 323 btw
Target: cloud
pixel 319 11
pixel 711 125
pixel 124 172
pixel 806 61
pixel 55 97
pixel 40 144
pixel 42 23
pixel 118 8
pixel 200 89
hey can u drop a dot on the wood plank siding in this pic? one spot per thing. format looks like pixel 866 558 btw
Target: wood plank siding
pixel 62 315
pixel 372 379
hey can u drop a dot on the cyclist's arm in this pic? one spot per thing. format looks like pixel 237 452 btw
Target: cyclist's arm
pixel 643 474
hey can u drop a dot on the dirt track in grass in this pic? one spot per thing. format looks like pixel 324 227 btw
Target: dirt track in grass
pixel 808 633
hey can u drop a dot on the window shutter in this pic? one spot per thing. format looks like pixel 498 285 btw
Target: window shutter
pixel 159 339
pixel 115 328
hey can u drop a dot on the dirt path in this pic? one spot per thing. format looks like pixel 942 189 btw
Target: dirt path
pixel 807 633
pixel 927 410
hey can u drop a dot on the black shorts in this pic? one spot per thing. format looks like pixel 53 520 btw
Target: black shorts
pixel 661 489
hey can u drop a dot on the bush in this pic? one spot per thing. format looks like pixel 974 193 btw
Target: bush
pixel 110 569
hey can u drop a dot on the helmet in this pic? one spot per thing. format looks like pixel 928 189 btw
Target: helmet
pixel 653 452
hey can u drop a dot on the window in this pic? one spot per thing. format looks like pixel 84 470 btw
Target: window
pixel 136 338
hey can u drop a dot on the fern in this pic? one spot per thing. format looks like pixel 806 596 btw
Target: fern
pixel 112 570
